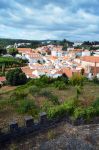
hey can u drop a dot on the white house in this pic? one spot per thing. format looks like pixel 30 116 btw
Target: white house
pixel 86 53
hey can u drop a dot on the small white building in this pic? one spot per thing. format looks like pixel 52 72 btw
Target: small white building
pixel 86 53
pixel 56 53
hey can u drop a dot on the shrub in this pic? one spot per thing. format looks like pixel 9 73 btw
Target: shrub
pixel 47 105
pixel 45 80
pixel 25 106
pixel 77 79
pixel 61 110
pixel 79 113
pixel 63 78
pixel 86 113
pixel 19 94
pixel 34 90
pixel 96 80
pixel 95 105
pixel 90 112
pixel 60 85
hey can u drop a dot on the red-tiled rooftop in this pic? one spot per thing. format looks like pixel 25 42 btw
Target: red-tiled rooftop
pixel 68 72
pixel 28 72
pixel 93 59
pixel 2 79
pixel 24 49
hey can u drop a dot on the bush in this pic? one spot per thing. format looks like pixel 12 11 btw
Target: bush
pixel 16 77
pixel 19 94
pixel 61 110
pixel 85 113
pixel 34 90
pixel 79 113
pixel 96 80
pixel 25 106
pixel 95 105
pixel 50 96
pixel 46 80
pixel 90 112
pixel 60 85
pixel 77 79
pixel 62 78
pixel 46 106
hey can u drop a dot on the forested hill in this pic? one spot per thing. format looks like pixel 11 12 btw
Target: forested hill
pixel 6 42
pixel 33 43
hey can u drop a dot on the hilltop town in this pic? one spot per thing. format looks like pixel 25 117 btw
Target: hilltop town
pixel 55 60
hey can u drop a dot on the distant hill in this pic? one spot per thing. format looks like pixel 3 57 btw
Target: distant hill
pixel 6 42
pixel 33 43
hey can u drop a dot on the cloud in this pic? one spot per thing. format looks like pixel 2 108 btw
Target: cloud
pixel 49 19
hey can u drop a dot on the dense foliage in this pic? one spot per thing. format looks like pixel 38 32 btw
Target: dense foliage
pixel 16 77
pixel 3 51
pixel 12 51
pixel 6 42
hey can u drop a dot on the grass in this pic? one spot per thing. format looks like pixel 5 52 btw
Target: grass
pixel 15 102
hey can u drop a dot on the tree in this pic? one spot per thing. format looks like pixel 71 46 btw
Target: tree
pixel 2 50
pixel 12 51
pixel 16 77
pixel 64 48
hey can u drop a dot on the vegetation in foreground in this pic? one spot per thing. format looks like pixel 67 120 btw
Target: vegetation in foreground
pixel 57 97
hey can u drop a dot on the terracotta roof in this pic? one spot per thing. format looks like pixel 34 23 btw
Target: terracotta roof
pixel 2 79
pixel 93 59
pixel 59 72
pixel 65 57
pixel 53 57
pixel 93 69
pixel 21 50
pixel 28 72
pixel 68 72
pixel 34 55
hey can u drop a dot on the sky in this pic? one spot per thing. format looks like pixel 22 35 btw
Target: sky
pixel 75 20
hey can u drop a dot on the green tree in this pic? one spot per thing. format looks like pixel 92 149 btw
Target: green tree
pixel 12 51
pixel 16 77
pixel 2 50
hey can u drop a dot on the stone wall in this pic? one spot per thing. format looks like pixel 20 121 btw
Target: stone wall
pixel 30 126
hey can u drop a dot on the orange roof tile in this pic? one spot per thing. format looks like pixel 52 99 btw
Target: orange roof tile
pixel 24 50
pixel 93 59
pixel 2 79
pixel 68 72
pixel 53 57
